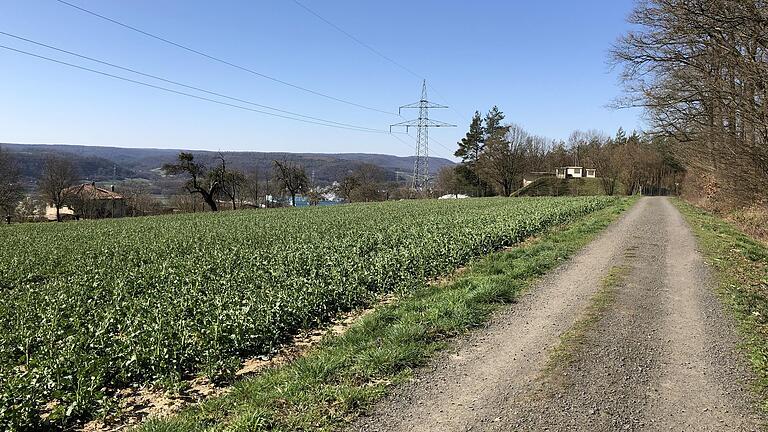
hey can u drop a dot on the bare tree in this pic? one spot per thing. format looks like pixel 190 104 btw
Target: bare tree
pixel 448 180
pixel 507 155
pixel 30 209
pixel 314 197
pixel 596 150
pixel 138 197
pixel 498 165
pixel 11 190
pixel 556 156
pixel 187 203
pixel 607 166
pixel 365 183
pixel 700 69
pixel 58 175
pixel 231 181
pixel 199 182
pixel 371 183
pixel 291 177
pixel 251 189
pixel 82 202
pixel 347 187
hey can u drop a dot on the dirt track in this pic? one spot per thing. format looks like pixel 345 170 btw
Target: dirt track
pixel 661 355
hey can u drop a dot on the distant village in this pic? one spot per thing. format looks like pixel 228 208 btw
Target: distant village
pixel 91 201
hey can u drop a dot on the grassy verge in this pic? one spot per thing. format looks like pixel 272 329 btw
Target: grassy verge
pixel 575 337
pixel 741 264
pixel 346 374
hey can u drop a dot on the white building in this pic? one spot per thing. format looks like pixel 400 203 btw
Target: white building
pixel 574 172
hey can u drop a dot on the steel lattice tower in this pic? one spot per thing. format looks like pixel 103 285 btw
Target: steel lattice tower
pixel 420 180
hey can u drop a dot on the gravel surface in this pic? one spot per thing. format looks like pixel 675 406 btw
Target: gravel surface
pixel 662 355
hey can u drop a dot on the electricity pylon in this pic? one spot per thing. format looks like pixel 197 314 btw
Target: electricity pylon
pixel 423 123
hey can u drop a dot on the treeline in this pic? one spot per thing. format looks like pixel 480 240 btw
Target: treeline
pixel 201 187
pixel 497 156
pixel 367 182
pixel 700 69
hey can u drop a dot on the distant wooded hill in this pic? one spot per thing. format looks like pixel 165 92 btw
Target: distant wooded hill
pixel 108 163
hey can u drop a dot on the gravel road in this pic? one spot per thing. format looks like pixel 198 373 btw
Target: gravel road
pixel 662 354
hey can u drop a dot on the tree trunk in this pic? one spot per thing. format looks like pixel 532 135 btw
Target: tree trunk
pixel 293 199
pixel 58 214
pixel 210 201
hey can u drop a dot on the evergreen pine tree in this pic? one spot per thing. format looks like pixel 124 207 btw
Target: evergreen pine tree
pixel 471 145
pixel 493 121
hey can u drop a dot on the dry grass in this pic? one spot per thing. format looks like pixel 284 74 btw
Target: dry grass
pixel 752 220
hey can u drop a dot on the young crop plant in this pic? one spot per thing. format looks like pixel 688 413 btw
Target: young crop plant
pixel 91 307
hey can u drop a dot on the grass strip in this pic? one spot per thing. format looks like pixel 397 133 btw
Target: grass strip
pixel 741 264
pixel 346 374
pixel 575 337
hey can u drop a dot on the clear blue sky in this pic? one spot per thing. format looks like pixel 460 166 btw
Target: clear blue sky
pixel 543 63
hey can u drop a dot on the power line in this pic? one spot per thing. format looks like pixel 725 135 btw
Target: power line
pixel 359 129
pixel 412 147
pixel 460 117
pixel 220 60
pixel 178 83
pixel 373 50
pixel 405 142
pixel 431 138
pixel 442 145
pixel 361 43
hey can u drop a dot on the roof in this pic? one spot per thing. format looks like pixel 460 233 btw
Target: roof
pixel 90 190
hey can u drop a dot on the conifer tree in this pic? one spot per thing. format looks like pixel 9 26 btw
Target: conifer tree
pixel 471 145
pixel 493 123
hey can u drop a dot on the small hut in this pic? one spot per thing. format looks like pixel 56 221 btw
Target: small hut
pixel 92 202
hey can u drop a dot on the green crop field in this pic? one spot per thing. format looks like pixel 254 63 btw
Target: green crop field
pixel 91 307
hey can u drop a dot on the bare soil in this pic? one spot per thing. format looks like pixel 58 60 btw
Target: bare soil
pixel 662 355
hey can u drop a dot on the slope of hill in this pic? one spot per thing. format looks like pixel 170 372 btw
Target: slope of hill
pixel 105 163
pixel 551 186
